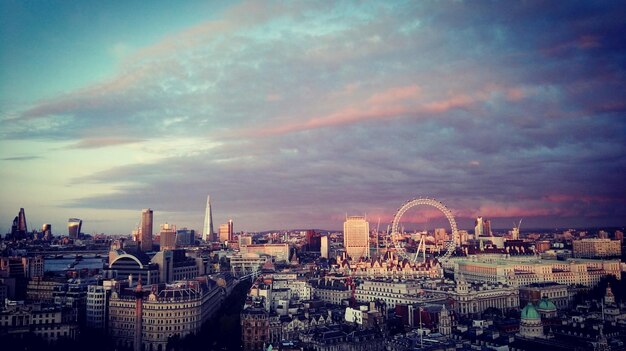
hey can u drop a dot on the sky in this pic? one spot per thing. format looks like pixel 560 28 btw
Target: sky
pixel 295 114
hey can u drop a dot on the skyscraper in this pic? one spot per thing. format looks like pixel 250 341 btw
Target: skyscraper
pixel 146 230
pixel 73 227
pixel 167 236
pixel 226 232
pixel 478 228
pixel 356 237
pixel 324 246
pixel 208 234
pixel 19 229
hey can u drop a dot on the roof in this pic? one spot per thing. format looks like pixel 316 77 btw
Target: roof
pixel 546 305
pixel 529 312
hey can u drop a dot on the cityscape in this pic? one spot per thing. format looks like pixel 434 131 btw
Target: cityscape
pixel 313 176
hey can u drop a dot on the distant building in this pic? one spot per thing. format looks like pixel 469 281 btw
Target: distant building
pixel 324 247
pixel 356 237
pixel 146 230
pixel 596 248
pixel 167 236
pixel 280 252
pixel 524 271
pixel 185 237
pixel 74 226
pixel 19 229
pixel 208 234
pixel 46 231
pixel 226 231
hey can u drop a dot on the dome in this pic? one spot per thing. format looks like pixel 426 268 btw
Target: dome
pixel 546 305
pixel 529 312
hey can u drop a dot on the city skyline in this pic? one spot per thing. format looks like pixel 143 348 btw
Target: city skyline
pixel 291 114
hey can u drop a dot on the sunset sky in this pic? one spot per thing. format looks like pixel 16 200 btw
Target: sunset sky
pixel 294 114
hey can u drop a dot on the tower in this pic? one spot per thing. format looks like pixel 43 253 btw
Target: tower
pixel 21 223
pixel 478 229
pixel 530 325
pixel 146 230
pixel 445 325
pixel 208 234
pixel 138 316
pixel 231 236
pixel 356 237
pixel 73 227
pixel 168 237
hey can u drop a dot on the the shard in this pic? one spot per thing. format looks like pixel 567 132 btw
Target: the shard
pixel 207 230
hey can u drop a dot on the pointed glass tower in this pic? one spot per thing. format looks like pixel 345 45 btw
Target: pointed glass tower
pixel 207 230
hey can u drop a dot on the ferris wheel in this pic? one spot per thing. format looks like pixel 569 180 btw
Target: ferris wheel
pixel 428 202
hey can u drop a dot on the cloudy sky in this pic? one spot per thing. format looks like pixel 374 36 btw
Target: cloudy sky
pixel 292 114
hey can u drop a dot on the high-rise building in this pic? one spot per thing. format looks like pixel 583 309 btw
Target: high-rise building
pixel 73 227
pixel 46 231
pixel 147 216
pixel 19 228
pixel 231 234
pixel 208 234
pixel 478 228
pixel 324 246
pixel 441 235
pixel 224 231
pixel 596 248
pixel 167 237
pixel 356 237
pixel 185 237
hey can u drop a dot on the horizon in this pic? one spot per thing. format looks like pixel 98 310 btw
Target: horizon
pixel 292 114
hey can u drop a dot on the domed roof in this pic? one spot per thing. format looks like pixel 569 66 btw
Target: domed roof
pixel 546 305
pixel 529 312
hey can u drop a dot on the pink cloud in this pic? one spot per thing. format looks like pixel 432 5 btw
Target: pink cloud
pixel 559 198
pixel 454 102
pixel 94 143
pixel 395 95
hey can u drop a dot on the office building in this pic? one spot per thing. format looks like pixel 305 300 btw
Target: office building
pixel 47 322
pixel 145 242
pixel 73 227
pixel 19 228
pixel 523 271
pixel 167 236
pixel 185 237
pixel 150 316
pixel 324 248
pixel 280 252
pixel 226 231
pixel 208 234
pixel 596 248
pixel 255 329
pixel 356 237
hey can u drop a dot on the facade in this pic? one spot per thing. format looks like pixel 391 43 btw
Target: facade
pixel 145 239
pixel 226 232
pixel 525 271
pixel 40 290
pixel 393 292
pixel 49 322
pixel 185 237
pixel 280 252
pixel 167 236
pixel 324 247
pixel 134 267
pixel 74 226
pixel 557 293
pixel 97 302
pixel 208 234
pixel 174 265
pixel 255 329
pixel 596 248
pixel 530 325
pixel 331 289
pixel 356 237
pixel 242 264
pixel 166 310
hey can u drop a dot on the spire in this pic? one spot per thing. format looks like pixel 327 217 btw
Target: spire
pixel 207 230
